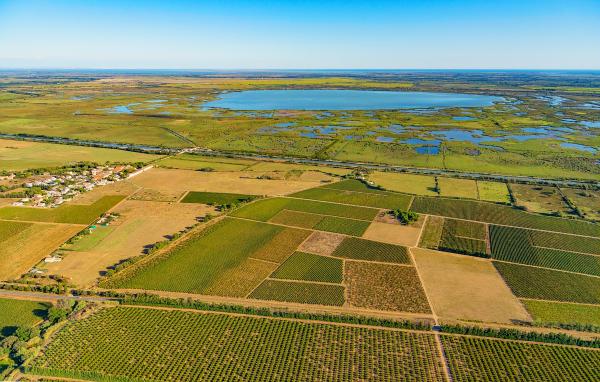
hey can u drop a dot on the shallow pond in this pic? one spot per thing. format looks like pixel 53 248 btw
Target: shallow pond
pixel 345 100
pixel 579 147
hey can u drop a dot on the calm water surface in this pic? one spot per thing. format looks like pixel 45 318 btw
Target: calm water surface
pixel 345 100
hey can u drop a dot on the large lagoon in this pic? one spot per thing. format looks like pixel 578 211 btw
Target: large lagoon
pixel 345 100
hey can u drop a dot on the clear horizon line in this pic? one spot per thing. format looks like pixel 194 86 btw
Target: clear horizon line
pixel 293 69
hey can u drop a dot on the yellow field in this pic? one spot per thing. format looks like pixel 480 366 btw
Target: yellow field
pixel 408 183
pixel 458 188
pixel 24 250
pixel 467 288
pixel 172 184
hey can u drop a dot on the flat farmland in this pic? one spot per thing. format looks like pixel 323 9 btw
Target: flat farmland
pixel 199 262
pixel 458 188
pixel 141 223
pixel 220 347
pixel 24 249
pixel 493 191
pixel 197 162
pixel 547 312
pixel 367 250
pixel 482 359
pixel 14 313
pixel 465 237
pixel 264 210
pixel 358 198
pixel 321 243
pixel 498 214
pixel 334 224
pixel 587 201
pixel 215 198
pixel 23 155
pixel 546 284
pixel 385 287
pixel 310 267
pixel 407 183
pixel 300 292
pixel 461 287
pixel 432 232
pixel 544 199
pixel 170 184
pixel 407 235
pixel 66 213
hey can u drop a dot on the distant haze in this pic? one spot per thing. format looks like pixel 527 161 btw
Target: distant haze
pixel 524 34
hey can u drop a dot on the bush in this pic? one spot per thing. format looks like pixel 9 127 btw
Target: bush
pixel 405 217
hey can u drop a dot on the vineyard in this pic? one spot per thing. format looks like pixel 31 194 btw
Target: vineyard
pixel 385 287
pixel 345 226
pixel 197 263
pixel 517 245
pixel 296 219
pixel 300 292
pixel 15 313
pixel 309 267
pixel 480 359
pixel 265 209
pixel 464 237
pixel 545 284
pixel 499 214
pixel 389 201
pixel 159 345
pixel 432 232
pixel 563 313
pixel 361 249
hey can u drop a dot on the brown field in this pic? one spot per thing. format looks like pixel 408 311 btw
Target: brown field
pixel 407 235
pixel 467 288
pixel 171 184
pixel 408 183
pixel 321 243
pixel 282 245
pixel 384 287
pixel 23 251
pixel 141 223
pixel 280 166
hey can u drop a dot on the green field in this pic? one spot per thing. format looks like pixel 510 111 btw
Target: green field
pixel 299 292
pixel 14 313
pixel 493 191
pixel 296 219
pixel 309 267
pixel 517 245
pixel 215 198
pixel 547 312
pixel 147 344
pixel 463 237
pixel 88 242
pixel 545 284
pixel 197 162
pixel 458 188
pixel 482 359
pixel 498 214
pixel 196 265
pixel 406 183
pixel 264 210
pixel 66 213
pixel 20 155
pixel 361 249
pixel 389 201
pixel 339 225
pixel 10 229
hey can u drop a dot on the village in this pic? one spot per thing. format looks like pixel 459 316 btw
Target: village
pixel 52 190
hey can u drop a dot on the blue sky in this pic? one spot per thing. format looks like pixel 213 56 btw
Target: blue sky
pixel 300 34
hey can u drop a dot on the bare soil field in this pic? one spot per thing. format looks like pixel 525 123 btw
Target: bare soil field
pixel 321 243
pixel 467 288
pixel 23 251
pixel 141 223
pixel 173 183
pixel 395 233
pixel 124 187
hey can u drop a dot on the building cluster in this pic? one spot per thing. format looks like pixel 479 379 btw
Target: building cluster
pixel 53 190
